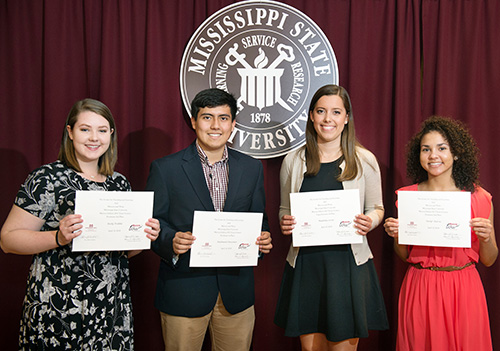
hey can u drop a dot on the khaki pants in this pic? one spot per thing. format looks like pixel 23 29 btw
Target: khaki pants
pixel 228 332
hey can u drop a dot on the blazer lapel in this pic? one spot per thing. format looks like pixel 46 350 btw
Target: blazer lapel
pixel 194 173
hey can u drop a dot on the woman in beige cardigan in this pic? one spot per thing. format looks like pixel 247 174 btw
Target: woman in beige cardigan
pixel 330 295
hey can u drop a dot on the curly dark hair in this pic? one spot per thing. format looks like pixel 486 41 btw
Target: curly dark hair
pixel 465 171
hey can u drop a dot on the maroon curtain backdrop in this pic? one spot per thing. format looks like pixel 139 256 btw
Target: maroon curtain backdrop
pixel 401 60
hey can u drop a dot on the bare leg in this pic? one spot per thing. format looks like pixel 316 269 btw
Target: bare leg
pixel 318 342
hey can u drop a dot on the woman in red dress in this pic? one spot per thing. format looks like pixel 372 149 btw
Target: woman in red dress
pixel 442 305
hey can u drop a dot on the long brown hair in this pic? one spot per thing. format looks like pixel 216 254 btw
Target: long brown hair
pixel 67 154
pixel 348 141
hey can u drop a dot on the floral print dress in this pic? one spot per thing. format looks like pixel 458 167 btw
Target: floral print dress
pixel 74 300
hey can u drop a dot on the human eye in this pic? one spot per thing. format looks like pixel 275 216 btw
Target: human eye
pixel 320 111
pixel 84 129
pixel 336 112
pixel 103 130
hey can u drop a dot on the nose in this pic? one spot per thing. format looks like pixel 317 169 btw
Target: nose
pixel 93 135
pixel 215 123
pixel 328 117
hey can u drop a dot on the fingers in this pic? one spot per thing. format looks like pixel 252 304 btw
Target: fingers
pixel 363 224
pixel 152 229
pixel 69 228
pixel 287 224
pixel 482 227
pixel 182 242
pixel 264 242
pixel 391 226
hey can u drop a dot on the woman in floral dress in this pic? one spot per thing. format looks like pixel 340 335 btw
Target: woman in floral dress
pixel 74 300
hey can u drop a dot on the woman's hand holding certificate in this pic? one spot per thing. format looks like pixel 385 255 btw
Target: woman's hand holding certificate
pixel 434 218
pixel 325 217
pixel 113 220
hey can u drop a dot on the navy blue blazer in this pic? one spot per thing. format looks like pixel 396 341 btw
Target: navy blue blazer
pixel 180 188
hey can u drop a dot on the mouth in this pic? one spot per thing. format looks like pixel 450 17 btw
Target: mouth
pixel 328 127
pixel 435 164
pixel 93 147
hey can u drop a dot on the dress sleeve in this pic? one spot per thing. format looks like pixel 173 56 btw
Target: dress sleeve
pixel 481 203
pixel 121 182
pixel 36 195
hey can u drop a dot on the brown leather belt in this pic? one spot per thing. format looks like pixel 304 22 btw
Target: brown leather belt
pixel 446 269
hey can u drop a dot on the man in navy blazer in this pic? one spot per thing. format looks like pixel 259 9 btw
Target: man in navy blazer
pixel 205 176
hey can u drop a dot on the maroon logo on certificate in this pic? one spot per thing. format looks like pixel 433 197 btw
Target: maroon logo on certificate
pixel 272 58
pixel 305 225
pixel 244 246
pixel 90 228
pixel 345 224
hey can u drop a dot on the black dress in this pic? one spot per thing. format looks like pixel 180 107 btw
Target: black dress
pixel 74 300
pixel 327 292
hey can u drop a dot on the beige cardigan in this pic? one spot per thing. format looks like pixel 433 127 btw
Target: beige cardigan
pixel 370 191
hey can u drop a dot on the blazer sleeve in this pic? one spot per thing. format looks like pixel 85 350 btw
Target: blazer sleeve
pixel 157 183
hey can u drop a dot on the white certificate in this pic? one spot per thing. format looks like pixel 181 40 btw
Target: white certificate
pixel 113 220
pixel 225 239
pixel 434 218
pixel 325 217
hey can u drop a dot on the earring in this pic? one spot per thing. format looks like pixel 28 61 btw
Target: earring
pixel 455 158
pixel 345 122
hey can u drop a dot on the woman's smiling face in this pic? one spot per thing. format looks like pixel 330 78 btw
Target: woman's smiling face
pixel 91 136
pixel 435 155
pixel 329 117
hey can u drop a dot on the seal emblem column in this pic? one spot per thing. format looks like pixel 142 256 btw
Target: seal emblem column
pixel 272 58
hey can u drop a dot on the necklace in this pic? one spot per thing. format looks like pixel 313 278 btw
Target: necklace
pixel 88 176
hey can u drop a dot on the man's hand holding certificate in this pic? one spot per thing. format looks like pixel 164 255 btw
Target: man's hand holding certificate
pixel 325 217
pixel 113 220
pixel 225 239
pixel 434 218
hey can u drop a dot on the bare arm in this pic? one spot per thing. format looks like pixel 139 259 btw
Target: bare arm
pixel 21 233
pixel 485 231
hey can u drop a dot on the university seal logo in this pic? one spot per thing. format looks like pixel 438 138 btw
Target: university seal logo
pixel 272 58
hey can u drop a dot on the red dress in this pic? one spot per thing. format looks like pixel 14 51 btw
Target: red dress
pixel 441 310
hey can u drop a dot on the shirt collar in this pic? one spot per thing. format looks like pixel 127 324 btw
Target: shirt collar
pixel 204 157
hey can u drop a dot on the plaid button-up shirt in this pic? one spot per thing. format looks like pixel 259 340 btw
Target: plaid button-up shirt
pixel 216 176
